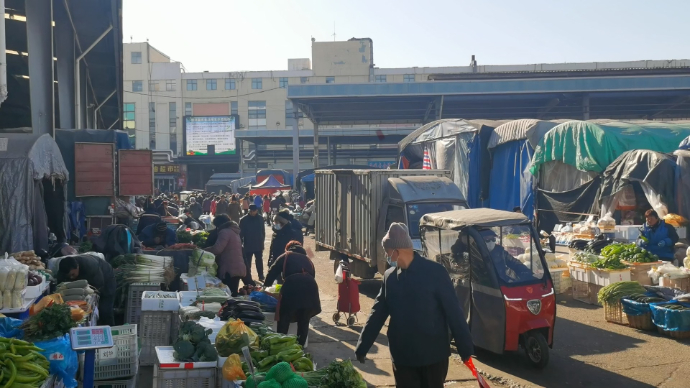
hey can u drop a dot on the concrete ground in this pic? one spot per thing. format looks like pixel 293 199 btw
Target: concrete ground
pixel 587 352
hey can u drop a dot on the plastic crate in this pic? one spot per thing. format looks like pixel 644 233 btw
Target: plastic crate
pixel 131 383
pixel 605 277
pixel 133 308
pixel 561 280
pixel 154 330
pixel 122 360
pixel 184 378
pixel 613 312
pixel 585 292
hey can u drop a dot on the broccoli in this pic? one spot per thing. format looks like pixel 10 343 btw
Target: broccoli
pixel 205 351
pixel 193 332
pixel 184 350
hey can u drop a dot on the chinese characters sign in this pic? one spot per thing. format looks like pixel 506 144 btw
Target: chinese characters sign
pixel 382 165
pixel 167 169
pixel 202 131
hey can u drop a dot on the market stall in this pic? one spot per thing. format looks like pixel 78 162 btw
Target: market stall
pixel 33 180
pixel 512 146
pixel 268 187
pixel 457 145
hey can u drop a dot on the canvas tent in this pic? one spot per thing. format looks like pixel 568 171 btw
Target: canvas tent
pixel 269 186
pixel 571 153
pixel 457 145
pixel 33 189
pixel 653 171
pixel 512 146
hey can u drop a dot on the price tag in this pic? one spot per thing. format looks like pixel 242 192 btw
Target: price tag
pixel 107 356
pixel 57 356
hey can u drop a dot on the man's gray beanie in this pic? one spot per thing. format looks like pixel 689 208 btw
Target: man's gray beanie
pixel 398 237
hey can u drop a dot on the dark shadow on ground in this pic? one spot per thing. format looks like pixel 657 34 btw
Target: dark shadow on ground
pixel 571 339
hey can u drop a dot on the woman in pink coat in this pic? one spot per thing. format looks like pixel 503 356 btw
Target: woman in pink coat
pixel 228 250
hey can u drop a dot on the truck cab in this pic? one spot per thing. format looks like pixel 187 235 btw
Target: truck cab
pixel 407 200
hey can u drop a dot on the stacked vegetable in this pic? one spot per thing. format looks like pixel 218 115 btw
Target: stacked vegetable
pixel 193 344
pixel 200 238
pixel 614 292
pixel 644 298
pixel 184 236
pixel 138 268
pixel 276 348
pixel 339 374
pixel 201 260
pixel 76 290
pixel 23 365
pixel 278 376
pixel 51 322
pixel 629 252
pixel 29 258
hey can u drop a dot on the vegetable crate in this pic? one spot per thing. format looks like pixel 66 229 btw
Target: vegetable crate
pixel 638 271
pixel 131 383
pixel 168 373
pixel 613 312
pixel 604 277
pixel 153 301
pixel 154 330
pixel 133 308
pixel 122 360
pixel 586 292
pixel 561 280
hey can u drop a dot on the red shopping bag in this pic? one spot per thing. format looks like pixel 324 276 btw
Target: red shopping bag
pixel 480 378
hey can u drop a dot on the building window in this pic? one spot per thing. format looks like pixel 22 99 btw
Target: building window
pixel 408 78
pixel 191 84
pixel 172 115
pixel 330 80
pixel 187 108
pixel 173 143
pixel 304 80
pixel 380 78
pixel 257 83
pixel 129 117
pixel 257 114
pixel 233 108
pixel 136 56
pixel 211 84
pixel 230 84
pixel 137 86
pixel 153 86
pixel 283 82
pixel 152 124
pixel 170 85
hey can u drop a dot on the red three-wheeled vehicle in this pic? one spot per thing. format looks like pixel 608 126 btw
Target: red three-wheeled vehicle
pixel 500 277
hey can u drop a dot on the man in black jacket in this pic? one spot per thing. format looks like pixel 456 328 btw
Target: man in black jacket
pixel 419 297
pixel 99 274
pixel 253 234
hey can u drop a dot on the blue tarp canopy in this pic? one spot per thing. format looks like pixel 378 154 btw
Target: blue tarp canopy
pixel 308 178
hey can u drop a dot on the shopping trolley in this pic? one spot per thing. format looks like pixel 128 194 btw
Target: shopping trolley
pixel 348 297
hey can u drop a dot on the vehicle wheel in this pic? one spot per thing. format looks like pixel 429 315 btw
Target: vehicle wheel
pixel 351 320
pixel 537 349
pixel 336 318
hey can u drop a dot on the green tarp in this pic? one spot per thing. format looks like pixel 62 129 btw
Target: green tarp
pixel 593 145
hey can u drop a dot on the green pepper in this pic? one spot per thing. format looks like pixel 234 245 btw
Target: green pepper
pixel 13 373
pixel 303 364
pixel 289 355
pixel 260 355
pixel 266 361
pixel 33 368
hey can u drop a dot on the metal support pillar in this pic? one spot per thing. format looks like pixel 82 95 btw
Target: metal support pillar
pixel 585 107
pixel 316 145
pixel 77 75
pixel 39 35
pixel 440 109
pixel 241 152
pixel 295 142
pixel 64 43
pixel 328 150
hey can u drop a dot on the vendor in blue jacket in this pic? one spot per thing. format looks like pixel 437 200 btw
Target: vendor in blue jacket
pixel 158 235
pixel 419 297
pixel 659 237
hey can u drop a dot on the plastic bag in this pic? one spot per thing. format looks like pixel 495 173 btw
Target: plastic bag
pixel 63 360
pixel 9 328
pixel 668 319
pixel 233 337
pixel 7 299
pixel 339 274
pixel 266 301
pixel 17 300
pixel 45 302
pixel 232 368
pixel 480 379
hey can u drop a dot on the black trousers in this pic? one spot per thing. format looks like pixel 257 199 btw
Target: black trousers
pixel 430 376
pixel 302 316
pixel 258 256
pixel 106 314
pixel 233 283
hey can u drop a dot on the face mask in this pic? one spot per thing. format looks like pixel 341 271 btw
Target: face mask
pixel 491 245
pixel 389 260
pixel 277 227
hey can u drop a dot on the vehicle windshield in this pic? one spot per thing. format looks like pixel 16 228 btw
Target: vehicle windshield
pixel 416 211
pixel 514 253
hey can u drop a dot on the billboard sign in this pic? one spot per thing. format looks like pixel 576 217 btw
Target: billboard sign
pixel 209 135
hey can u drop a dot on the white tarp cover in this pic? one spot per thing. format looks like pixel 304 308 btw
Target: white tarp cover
pixel 482 217
pixel 531 129
pixel 24 163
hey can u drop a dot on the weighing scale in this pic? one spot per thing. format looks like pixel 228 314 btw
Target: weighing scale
pixel 89 339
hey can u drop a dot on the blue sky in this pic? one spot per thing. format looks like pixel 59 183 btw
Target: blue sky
pixel 231 35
